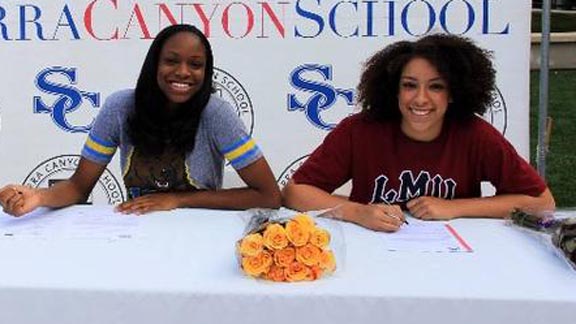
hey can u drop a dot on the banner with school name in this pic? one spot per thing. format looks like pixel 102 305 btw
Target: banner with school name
pixel 289 67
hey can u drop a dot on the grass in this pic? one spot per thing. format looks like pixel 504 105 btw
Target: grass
pixel 561 159
pixel 559 21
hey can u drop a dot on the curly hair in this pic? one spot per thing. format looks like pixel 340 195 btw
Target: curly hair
pixel 466 68
pixel 152 128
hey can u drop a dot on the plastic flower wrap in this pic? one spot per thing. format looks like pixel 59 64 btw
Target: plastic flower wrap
pixel 287 246
pixel 557 233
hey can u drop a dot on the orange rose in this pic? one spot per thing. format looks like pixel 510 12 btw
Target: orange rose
pixel 251 245
pixel 314 273
pixel 304 220
pixel 275 237
pixel 320 238
pixel 284 257
pixel 327 261
pixel 308 254
pixel 276 273
pixel 297 233
pixel 256 265
pixel 296 272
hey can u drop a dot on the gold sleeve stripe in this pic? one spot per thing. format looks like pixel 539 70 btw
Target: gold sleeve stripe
pixel 239 151
pixel 99 148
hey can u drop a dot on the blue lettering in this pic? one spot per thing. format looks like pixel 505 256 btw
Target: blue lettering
pixel 69 23
pixel 431 17
pixel 23 20
pixel 391 19
pixel 324 95
pixel 471 17
pixel 369 18
pixel 311 16
pixel 70 98
pixel 486 21
pixel 3 25
pixel 332 18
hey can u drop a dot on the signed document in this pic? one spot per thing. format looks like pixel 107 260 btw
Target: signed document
pixel 426 236
pixel 94 222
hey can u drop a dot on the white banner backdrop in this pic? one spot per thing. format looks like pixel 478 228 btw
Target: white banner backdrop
pixel 290 68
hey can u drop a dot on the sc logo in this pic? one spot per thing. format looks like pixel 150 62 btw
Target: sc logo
pixel 323 95
pixel 69 98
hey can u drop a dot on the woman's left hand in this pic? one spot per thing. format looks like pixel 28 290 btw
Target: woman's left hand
pixel 149 203
pixel 431 208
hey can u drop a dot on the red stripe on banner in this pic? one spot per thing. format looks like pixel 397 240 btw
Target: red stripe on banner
pixel 459 238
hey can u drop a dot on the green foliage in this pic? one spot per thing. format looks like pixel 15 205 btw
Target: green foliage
pixel 561 158
pixel 559 21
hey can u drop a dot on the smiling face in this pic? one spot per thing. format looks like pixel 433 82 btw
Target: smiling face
pixel 423 98
pixel 181 67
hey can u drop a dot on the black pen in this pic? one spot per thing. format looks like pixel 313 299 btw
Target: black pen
pixel 389 204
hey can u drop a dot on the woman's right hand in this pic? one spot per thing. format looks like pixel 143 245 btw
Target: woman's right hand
pixel 18 200
pixel 377 217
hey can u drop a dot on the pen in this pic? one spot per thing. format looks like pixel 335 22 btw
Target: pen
pixel 389 204
pixel 406 222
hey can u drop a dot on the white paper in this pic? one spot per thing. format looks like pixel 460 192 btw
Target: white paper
pixel 425 236
pixel 564 213
pixel 94 222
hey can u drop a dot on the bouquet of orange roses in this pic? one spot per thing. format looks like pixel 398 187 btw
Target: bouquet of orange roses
pixel 285 248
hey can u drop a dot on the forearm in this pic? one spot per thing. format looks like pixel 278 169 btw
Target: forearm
pixel 500 206
pixel 236 198
pixel 62 194
pixel 75 189
pixel 305 197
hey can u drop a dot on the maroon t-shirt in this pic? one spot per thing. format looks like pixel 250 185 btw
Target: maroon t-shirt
pixel 386 165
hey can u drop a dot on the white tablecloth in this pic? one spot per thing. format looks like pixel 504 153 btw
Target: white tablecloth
pixel 182 269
